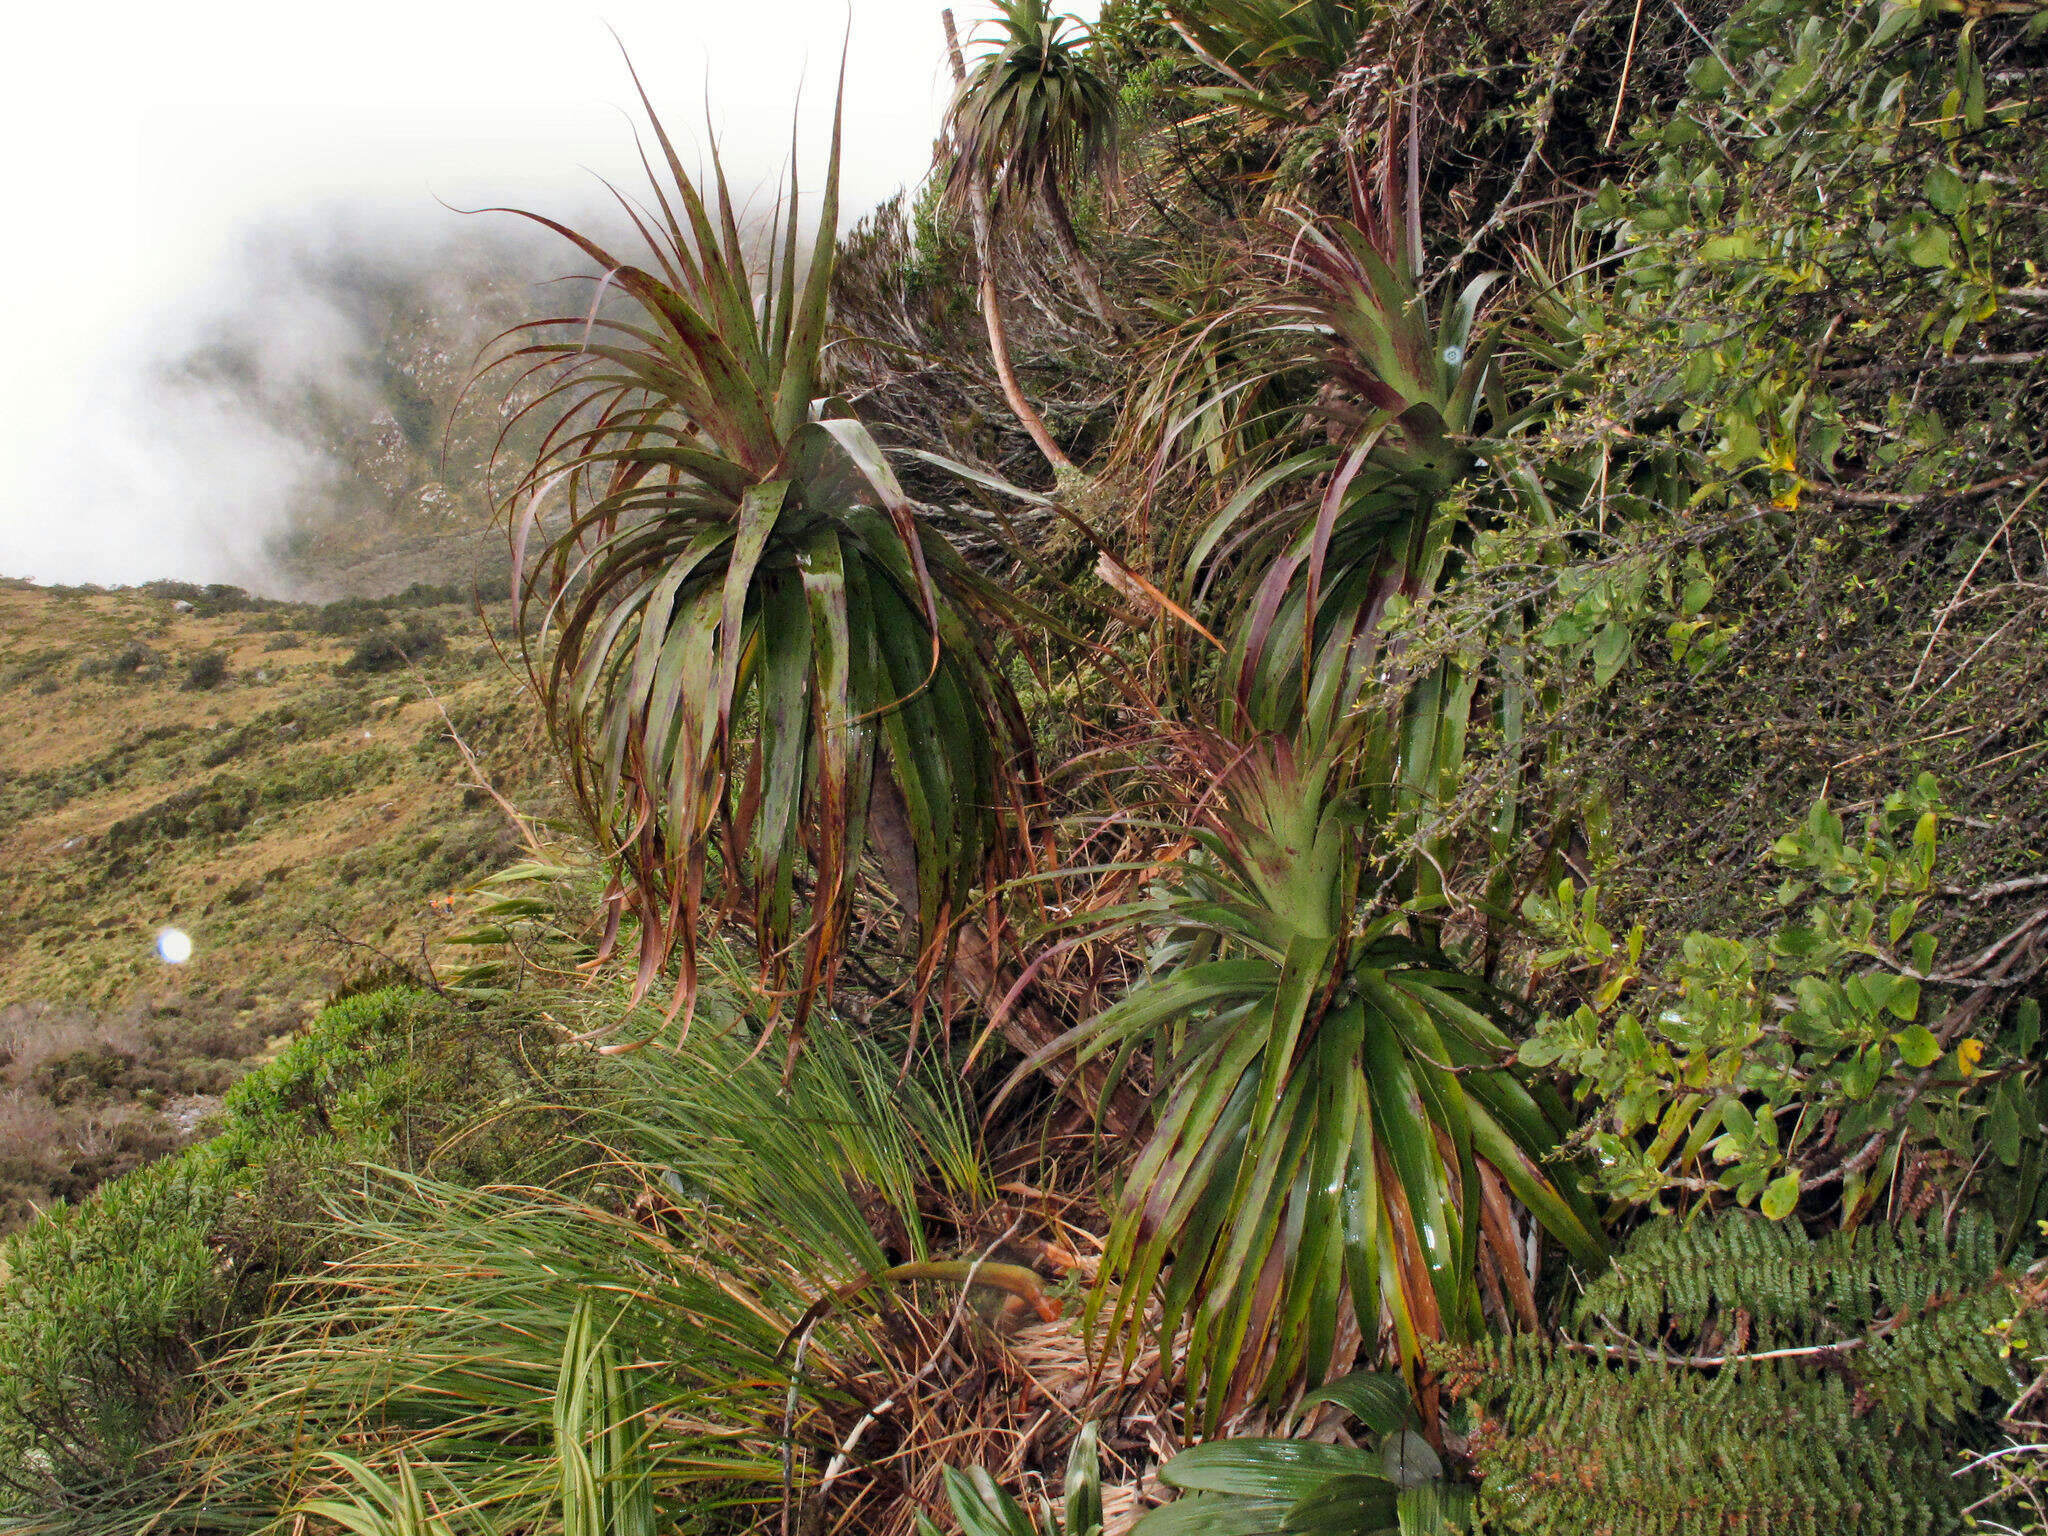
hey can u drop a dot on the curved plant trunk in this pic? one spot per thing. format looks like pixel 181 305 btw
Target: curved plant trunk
pixel 991 299
pixel 1083 270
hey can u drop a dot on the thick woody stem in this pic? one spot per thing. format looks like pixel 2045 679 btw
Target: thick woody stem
pixel 991 302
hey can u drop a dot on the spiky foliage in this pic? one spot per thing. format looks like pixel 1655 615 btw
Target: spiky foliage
pixel 1332 508
pixel 604 1352
pixel 369 1504
pixel 1695 1413
pixel 1340 412
pixel 1035 114
pixel 738 623
pixel 1391 1485
pixel 982 1508
pixel 1336 1133
pixel 1336 1119
pixel 1274 51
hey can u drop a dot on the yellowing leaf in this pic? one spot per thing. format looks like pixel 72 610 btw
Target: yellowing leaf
pixel 1968 1053
pixel 1781 1195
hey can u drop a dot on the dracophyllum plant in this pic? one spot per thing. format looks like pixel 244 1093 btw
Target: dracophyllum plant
pixel 1340 1140
pixel 743 633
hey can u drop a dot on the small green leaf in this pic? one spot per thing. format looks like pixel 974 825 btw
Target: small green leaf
pixel 1378 1399
pixel 1737 1121
pixel 1781 1195
pixel 1929 246
pixel 2026 1026
pixel 1905 999
pixel 1945 189
pixel 1923 952
pixel 1900 920
pixel 1736 247
pixel 1610 652
pixel 1408 1460
pixel 1897 18
pixel 2007 1128
pixel 1917 1046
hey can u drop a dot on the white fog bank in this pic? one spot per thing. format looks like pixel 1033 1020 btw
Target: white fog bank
pixel 155 148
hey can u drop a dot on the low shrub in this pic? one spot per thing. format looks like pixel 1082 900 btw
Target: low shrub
pixel 207 670
pixel 227 803
pixel 133 662
pixel 386 650
pixel 109 1306
pixel 103 1316
pixel 209 601
pixel 35 670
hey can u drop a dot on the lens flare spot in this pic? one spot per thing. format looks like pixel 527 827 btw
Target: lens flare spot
pixel 174 945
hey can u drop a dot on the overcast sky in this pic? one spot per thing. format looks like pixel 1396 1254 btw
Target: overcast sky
pixel 146 144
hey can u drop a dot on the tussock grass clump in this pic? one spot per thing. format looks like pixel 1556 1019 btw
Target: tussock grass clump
pixel 110 1307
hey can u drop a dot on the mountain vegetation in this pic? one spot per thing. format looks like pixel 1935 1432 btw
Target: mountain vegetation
pixel 280 782
pixel 1311 803
pixel 346 356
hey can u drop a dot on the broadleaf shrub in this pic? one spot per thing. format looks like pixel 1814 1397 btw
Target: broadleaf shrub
pixel 1824 1054
pixel 110 1307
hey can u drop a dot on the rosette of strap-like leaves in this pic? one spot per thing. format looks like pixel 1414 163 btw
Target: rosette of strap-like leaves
pixel 1338 1127
pixel 1331 513
pixel 1335 411
pixel 742 631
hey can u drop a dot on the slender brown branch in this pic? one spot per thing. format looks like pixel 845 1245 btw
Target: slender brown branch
pixel 991 297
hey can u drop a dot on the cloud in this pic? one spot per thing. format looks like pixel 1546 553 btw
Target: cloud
pixel 197 447
pixel 158 149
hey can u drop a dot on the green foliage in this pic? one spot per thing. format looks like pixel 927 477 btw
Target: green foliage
pixel 1471 569
pixel 226 803
pixel 210 600
pixel 1392 1485
pixel 938 245
pixel 1832 1435
pixel 1340 413
pixel 133 662
pixel 103 1315
pixel 621 1343
pixel 209 669
pixel 1332 1108
pixel 1920 1306
pixel 1729 234
pixel 371 1505
pixel 1793 443
pixel 389 1076
pixel 981 1508
pixel 110 1307
pixel 1034 114
pixel 1768 1069
pixel 391 650
pixel 601 1436
pixel 1276 53
pixel 741 626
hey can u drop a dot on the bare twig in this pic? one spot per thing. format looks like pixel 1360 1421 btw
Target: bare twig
pixel 1637 1354
pixel 1968 576
pixel 1915 498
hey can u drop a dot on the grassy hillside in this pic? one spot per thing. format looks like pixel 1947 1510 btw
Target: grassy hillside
pixel 277 781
